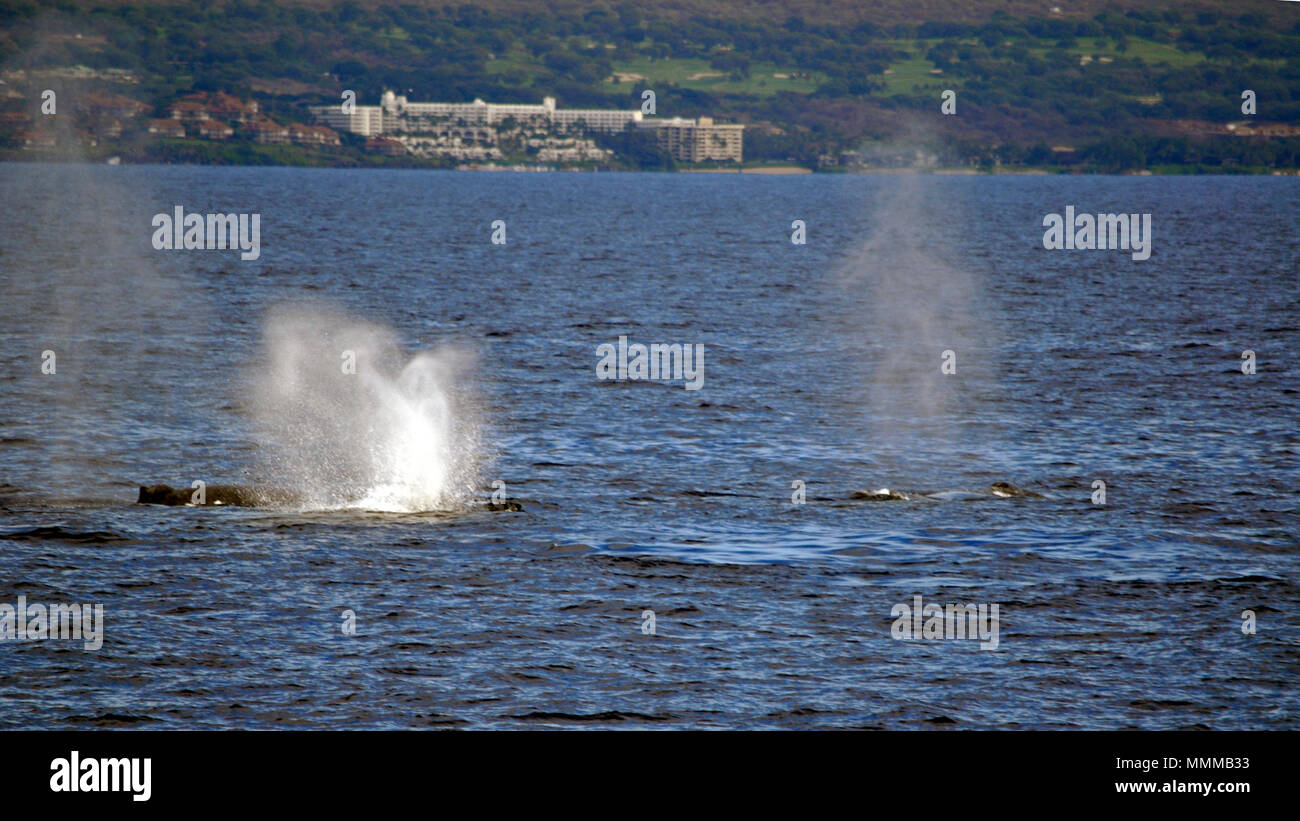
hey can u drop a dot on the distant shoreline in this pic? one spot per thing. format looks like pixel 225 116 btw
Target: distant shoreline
pixel 116 160
pixel 762 169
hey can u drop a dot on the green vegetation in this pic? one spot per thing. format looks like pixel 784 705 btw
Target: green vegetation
pixel 719 76
pixel 910 76
pixel 1125 88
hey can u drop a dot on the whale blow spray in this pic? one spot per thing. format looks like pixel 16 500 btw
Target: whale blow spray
pixel 349 420
pixel 921 328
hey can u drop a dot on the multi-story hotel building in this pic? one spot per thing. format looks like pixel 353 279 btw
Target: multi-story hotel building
pixel 687 140
pixel 407 116
pixel 366 120
pixel 699 140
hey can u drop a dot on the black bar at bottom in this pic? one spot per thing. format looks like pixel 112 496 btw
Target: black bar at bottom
pixel 330 770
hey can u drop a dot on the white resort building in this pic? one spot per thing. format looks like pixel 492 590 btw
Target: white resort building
pixel 454 123
pixel 407 116
pixel 366 120
pixel 699 140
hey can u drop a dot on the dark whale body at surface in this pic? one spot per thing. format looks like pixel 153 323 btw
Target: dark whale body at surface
pixel 1000 489
pixel 237 495
pixel 245 496
pixel 882 495
pixel 1008 489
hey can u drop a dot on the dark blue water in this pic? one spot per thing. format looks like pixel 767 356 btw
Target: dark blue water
pixel 822 365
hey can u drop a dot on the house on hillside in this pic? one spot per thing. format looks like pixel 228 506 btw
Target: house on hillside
pixel 313 134
pixel 210 129
pixel 267 132
pixel 114 106
pixel 167 128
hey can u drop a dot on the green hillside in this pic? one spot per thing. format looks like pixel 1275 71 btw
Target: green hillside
pixel 1094 86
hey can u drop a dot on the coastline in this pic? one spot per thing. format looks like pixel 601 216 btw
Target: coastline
pixel 317 159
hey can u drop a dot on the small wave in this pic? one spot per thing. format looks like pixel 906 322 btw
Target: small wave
pixel 109 719
pixel 56 533
pixel 607 716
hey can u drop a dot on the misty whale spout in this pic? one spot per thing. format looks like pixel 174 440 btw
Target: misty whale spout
pixel 347 418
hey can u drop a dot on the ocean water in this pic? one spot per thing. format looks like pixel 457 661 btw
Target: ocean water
pixel 821 366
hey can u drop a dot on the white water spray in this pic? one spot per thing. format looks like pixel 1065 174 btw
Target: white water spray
pixel 912 302
pixel 349 421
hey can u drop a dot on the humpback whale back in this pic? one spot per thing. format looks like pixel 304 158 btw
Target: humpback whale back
pixel 236 495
